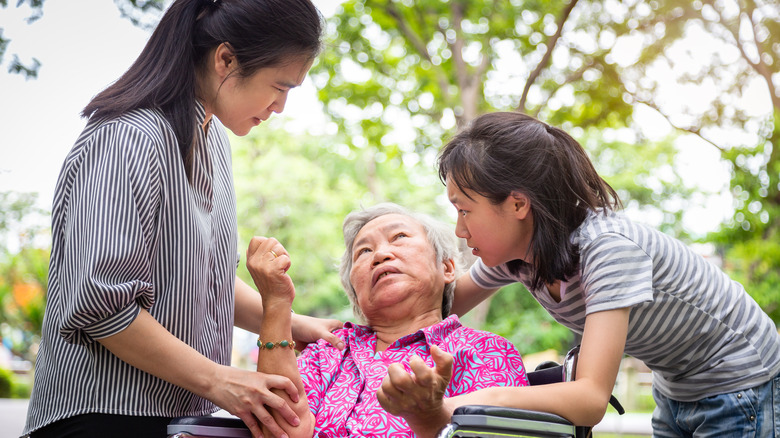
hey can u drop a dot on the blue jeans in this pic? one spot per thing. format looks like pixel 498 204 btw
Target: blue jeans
pixel 753 412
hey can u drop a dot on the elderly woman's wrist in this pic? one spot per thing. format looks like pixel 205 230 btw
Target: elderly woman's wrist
pixel 274 305
pixel 429 425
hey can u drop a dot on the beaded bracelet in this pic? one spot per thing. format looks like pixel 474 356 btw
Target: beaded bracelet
pixel 270 345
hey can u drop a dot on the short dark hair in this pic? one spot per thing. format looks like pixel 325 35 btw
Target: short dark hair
pixel 261 34
pixel 504 152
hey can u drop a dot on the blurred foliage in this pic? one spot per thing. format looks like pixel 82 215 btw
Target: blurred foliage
pixel 6 381
pixel 13 386
pixel 750 241
pixel 24 272
pixel 427 67
pixel 299 188
pixel 535 331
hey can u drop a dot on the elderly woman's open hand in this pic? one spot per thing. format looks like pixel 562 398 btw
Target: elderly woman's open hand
pixel 418 397
pixel 268 262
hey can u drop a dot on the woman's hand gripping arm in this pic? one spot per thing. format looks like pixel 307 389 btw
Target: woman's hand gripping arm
pixel 147 345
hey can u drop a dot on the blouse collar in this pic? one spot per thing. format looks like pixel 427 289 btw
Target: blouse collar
pixel 434 334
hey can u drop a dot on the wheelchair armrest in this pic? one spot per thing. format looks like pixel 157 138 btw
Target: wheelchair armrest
pixel 543 376
pixel 471 419
pixel 208 427
pixel 512 413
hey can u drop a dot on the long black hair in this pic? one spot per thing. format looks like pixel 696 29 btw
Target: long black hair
pixel 505 152
pixel 260 33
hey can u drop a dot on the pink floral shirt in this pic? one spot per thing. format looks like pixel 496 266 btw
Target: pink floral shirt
pixel 341 385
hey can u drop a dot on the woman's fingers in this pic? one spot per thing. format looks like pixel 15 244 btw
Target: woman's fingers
pixel 395 382
pixel 268 262
pixel 250 396
pixel 443 361
pixel 264 249
pixel 389 397
pixel 307 329
pixel 422 374
pixel 333 339
pixel 399 378
pixel 272 402
pixel 277 404
pixel 268 421
pixel 283 383
pixel 252 424
pixel 254 245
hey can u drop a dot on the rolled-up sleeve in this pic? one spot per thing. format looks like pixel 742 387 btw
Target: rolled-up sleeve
pixel 109 234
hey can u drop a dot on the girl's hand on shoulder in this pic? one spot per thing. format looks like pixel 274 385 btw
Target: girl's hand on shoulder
pixel 248 395
pixel 308 329
pixel 268 262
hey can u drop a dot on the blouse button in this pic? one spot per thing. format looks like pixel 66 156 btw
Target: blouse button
pixel 739 395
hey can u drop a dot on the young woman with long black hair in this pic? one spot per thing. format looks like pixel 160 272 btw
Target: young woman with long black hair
pixel 143 293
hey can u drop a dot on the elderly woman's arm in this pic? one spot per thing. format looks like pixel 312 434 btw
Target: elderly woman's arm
pixel 305 329
pixel 268 263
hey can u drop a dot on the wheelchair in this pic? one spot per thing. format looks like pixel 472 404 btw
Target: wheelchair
pixel 480 421
pixel 472 421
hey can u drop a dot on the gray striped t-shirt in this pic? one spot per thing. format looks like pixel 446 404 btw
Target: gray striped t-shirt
pixel 697 329
pixel 129 231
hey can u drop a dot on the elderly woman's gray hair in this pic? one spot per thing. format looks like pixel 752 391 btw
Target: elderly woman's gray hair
pixel 441 237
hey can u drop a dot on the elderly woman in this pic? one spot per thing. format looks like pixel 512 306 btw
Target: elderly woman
pixel 399 270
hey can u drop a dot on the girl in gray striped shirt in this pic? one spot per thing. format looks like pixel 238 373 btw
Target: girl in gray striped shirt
pixel 143 294
pixel 533 209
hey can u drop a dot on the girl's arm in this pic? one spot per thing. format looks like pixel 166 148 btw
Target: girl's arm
pixel 148 346
pixel 468 295
pixel 583 401
pixel 603 342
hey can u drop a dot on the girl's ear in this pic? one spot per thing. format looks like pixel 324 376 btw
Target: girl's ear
pixel 224 61
pixel 521 203
pixel 449 271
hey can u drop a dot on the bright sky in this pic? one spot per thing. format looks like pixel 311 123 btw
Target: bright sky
pixel 83 46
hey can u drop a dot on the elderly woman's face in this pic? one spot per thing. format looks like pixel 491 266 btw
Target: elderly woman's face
pixel 394 268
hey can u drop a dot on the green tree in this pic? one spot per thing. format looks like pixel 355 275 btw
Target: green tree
pixel 742 57
pixel 427 67
pixel 29 69
pixel 23 272
pixel 298 189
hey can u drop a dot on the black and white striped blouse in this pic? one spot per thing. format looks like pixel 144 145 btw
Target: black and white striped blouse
pixel 696 328
pixel 129 232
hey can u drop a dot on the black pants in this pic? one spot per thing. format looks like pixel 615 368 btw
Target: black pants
pixel 105 425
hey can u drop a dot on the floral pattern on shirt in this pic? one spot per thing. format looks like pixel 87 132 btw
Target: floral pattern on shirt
pixel 341 385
